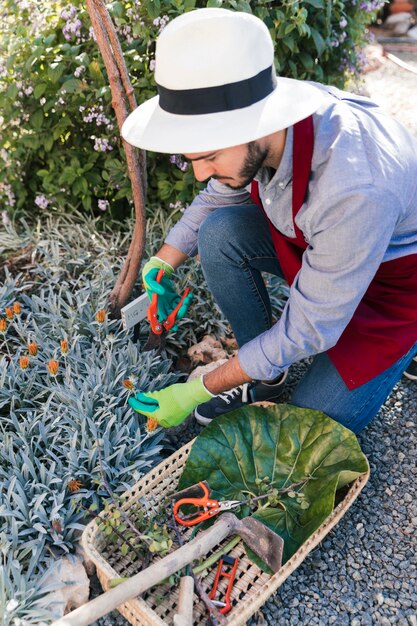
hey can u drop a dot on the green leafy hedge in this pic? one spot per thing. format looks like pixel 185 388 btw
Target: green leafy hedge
pixel 59 141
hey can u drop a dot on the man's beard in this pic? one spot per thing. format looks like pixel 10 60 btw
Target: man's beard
pixel 252 164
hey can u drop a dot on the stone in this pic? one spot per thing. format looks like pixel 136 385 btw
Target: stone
pixel 208 350
pixel 75 589
pixel 398 24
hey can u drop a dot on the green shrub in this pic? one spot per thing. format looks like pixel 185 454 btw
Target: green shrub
pixel 59 142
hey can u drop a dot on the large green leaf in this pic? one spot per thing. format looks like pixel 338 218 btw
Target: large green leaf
pixel 287 445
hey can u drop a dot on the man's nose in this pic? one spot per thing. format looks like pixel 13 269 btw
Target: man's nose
pixel 203 170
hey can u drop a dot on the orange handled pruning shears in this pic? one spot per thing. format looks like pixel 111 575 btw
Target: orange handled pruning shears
pixel 206 507
pixel 225 572
pixel 159 327
pixel 156 340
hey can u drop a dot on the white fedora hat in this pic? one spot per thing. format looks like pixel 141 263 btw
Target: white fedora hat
pixel 217 87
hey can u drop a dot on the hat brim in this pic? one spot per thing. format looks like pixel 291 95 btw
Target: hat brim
pixel 151 128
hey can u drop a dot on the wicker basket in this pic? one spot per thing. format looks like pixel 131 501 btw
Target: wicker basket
pixel 157 607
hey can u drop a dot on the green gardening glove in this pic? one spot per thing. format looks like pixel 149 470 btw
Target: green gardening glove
pixel 168 298
pixel 170 406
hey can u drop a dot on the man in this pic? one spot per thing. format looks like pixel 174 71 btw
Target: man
pixel 304 181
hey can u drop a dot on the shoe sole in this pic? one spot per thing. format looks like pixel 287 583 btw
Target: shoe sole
pixel 410 376
pixel 200 419
pixel 205 421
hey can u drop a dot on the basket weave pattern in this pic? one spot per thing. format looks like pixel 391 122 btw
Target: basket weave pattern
pixel 157 607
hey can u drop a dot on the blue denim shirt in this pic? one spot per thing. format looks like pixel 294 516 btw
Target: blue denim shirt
pixel 360 210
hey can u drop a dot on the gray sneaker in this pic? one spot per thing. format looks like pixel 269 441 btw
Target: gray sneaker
pixel 237 397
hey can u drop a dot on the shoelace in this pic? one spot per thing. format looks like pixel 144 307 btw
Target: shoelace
pixel 228 396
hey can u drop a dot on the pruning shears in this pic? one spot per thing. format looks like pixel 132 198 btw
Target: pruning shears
pixel 226 569
pixel 205 507
pixel 158 328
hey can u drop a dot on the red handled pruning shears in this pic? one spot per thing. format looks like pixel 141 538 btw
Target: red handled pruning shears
pixel 159 327
pixel 205 507
pixel 156 336
pixel 226 569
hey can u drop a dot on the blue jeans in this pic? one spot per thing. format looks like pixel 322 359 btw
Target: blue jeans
pixel 235 247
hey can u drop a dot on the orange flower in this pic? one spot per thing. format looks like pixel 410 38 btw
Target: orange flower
pixel 3 325
pixel 151 425
pixel 9 312
pixel 74 485
pixel 24 362
pixel 33 348
pixel 101 316
pixel 128 384
pixel 53 367
pixel 17 308
pixel 64 346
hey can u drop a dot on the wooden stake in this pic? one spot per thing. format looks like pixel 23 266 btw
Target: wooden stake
pixel 122 98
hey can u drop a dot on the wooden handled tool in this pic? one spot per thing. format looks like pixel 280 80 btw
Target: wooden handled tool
pixel 263 541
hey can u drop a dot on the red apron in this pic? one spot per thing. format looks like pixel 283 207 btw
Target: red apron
pixel 384 325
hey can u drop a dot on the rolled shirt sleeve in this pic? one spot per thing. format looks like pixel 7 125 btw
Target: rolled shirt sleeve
pixel 184 234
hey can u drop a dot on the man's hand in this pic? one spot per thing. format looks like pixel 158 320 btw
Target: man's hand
pixel 171 405
pixel 168 298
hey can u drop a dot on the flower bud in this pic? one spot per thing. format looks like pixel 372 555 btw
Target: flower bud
pixel 9 312
pixel 53 367
pixel 33 348
pixel 101 316
pixel 3 325
pixel 74 485
pixel 151 425
pixel 64 346
pixel 24 362
pixel 128 384
pixel 17 308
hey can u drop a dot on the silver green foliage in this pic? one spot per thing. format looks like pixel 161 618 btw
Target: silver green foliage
pixel 53 429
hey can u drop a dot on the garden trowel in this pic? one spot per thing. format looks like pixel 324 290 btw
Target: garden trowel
pixel 264 542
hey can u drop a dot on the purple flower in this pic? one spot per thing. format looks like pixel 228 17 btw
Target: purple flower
pixel 69 12
pixel 103 205
pixel 176 160
pixel 101 144
pixel 92 34
pixel 6 190
pixel 161 22
pixel 41 201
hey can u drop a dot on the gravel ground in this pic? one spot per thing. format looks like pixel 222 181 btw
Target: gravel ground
pixel 364 572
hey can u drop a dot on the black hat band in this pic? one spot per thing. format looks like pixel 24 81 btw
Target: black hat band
pixel 217 99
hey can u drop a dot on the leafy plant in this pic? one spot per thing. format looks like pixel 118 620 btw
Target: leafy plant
pixel 77 251
pixel 63 363
pixel 255 449
pixel 22 594
pixel 59 142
